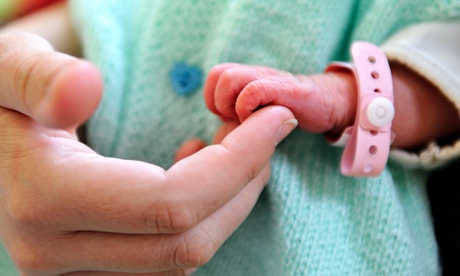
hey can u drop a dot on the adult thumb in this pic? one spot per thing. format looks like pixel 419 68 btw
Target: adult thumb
pixel 54 89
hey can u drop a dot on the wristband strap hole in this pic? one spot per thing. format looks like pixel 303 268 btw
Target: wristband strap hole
pixel 372 59
pixel 373 150
pixel 375 75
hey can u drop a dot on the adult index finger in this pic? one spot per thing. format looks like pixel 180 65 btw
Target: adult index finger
pixel 204 182
pixel 112 195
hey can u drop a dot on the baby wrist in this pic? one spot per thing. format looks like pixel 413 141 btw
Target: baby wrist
pixel 367 142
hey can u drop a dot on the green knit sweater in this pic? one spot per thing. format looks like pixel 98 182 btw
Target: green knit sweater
pixel 310 219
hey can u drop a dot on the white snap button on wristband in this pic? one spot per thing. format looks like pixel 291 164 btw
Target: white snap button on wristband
pixel 380 112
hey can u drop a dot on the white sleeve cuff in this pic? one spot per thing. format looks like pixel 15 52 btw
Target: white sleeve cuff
pixel 433 51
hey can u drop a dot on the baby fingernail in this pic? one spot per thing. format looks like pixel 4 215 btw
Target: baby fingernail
pixel 286 128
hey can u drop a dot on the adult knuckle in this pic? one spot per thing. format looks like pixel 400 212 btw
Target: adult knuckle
pixel 170 218
pixel 25 84
pixel 21 63
pixel 194 251
pixel 252 172
pixel 25 211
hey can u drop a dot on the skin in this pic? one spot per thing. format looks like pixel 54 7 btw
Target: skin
pixel 56 220
pixel 118 217
pixel 326 103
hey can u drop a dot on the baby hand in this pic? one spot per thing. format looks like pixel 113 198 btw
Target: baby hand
pixel 321 103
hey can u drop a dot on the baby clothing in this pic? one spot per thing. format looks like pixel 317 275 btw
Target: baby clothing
pixel 310 220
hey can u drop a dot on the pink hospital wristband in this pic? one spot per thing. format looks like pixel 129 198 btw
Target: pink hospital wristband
pixel 367 142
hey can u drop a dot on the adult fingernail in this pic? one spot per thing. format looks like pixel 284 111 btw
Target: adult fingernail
pixel 286 128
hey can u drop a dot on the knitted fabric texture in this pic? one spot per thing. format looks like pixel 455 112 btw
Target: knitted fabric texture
pixel 310 219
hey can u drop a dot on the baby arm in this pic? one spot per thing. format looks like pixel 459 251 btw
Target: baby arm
pixel 326 103
pixel 320 102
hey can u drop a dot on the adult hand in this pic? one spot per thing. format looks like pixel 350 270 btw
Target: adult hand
pixel 64 209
